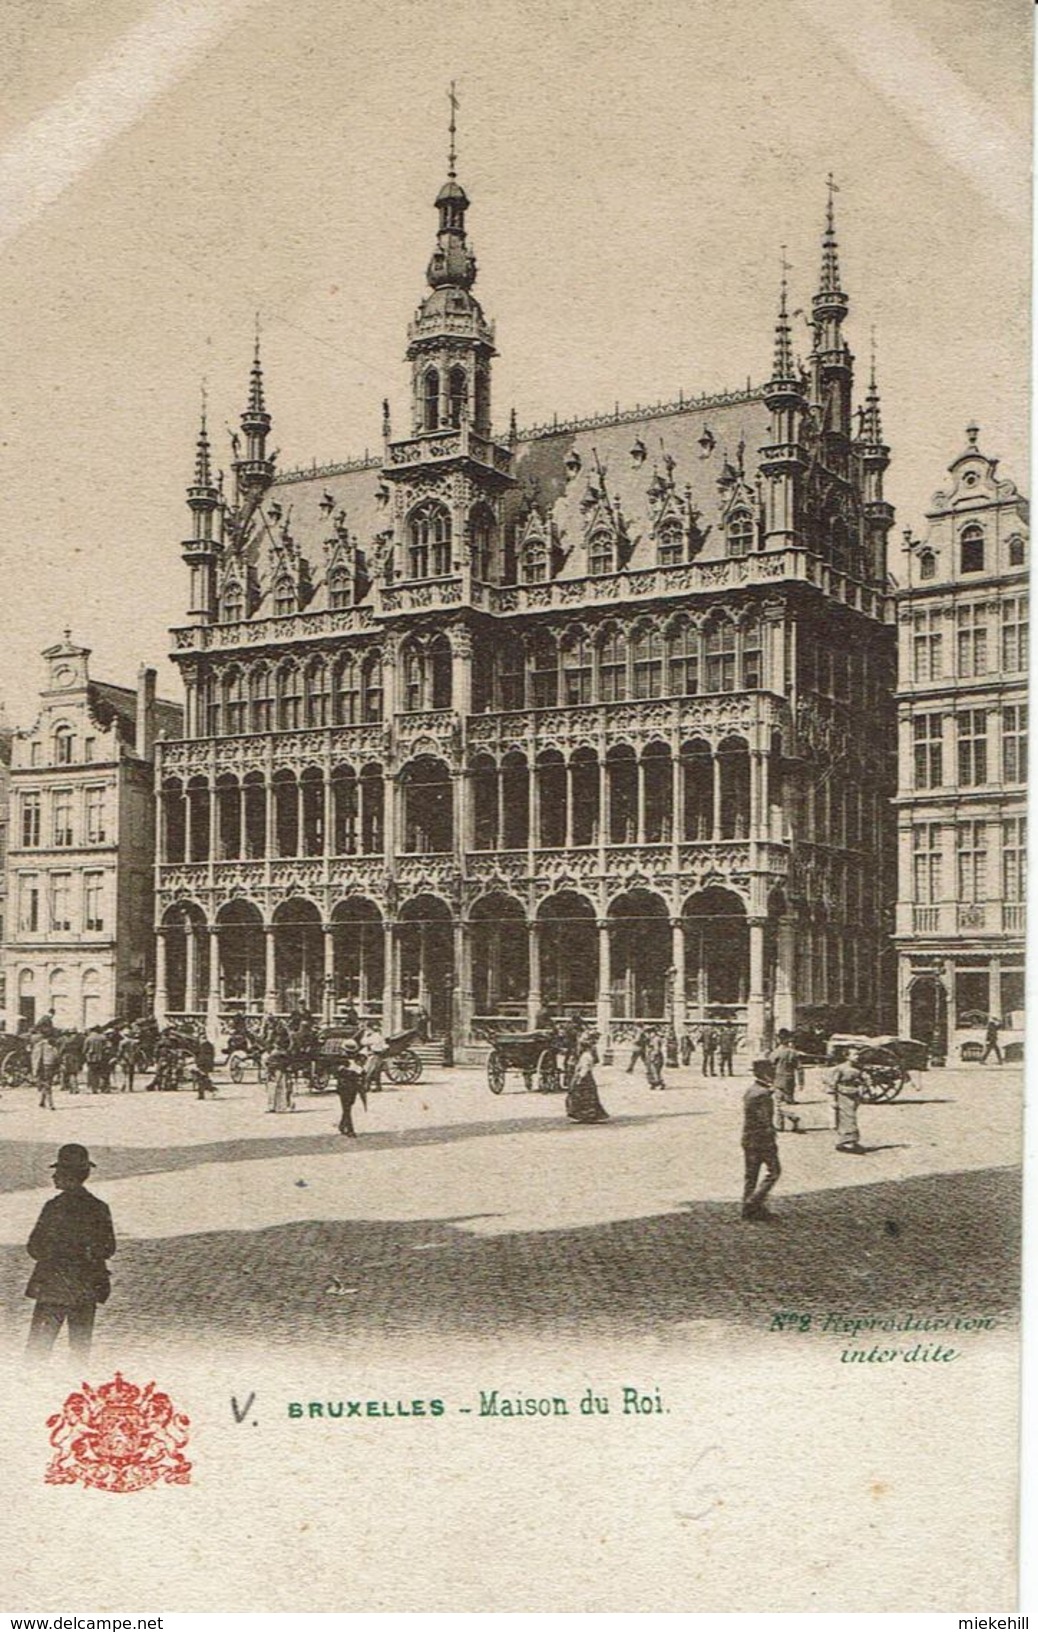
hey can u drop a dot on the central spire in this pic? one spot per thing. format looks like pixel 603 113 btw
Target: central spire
pixel 453 264
pixel 829 283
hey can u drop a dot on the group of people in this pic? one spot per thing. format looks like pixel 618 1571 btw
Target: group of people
pixel 72 1059
pixel 290 1046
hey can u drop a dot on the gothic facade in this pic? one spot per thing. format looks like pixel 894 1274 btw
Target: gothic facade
pixel 596 716
pixel 962 797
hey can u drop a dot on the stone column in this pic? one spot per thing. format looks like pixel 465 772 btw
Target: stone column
pixel 212 1008
pixel 190 967
pixel 243 840
pixel 785 975
pixel 535 807
pixel 533 1000
pixel 461 670
pixel 569 805
pixel 329 974
pixel 755 1016
pixel 161 977
pixel 270 818
pixel 716 763
pixel 640 830
pixel 462 996
pixel 389 1008
pixel 603 1007
pixel 270 996
pixel 677 959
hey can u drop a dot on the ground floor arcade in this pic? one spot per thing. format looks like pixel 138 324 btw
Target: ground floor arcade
pixel 947 995
pixel 499 963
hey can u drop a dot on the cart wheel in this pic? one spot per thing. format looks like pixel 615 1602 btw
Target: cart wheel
pixel 495 1072
pixel 237 1068
pixel 15 1073
pixel 404 1067
pixel 548 1072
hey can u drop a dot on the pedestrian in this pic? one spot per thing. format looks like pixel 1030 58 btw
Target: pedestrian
pixel 375 1050
pixel 725 1049
pixel 654 1060
pixel 129 1059
pixel 71 1243
pixel 788 1076
pixel 582 1101
pixel 70 1061
pixel 350 1085
pixel 46 1067
pixel 95 1052
pixel 638 1052
pixel 204 1063
pixel 848 1081
pixel 708 1041
pixel 991 1045
pixel 686 1049
pixel 759 1144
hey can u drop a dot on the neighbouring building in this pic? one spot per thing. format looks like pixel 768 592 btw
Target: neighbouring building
pixel 6 733
pixel 81 847
pixel 962 798
pixel 597 716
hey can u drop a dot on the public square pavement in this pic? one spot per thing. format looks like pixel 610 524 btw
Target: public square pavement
pixel 456 1211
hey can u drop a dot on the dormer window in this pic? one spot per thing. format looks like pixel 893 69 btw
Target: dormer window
pixel 927 564
pixel 535 562
pixel 740 532
pixel 601 553
pixel 284 598
pixel 670 543
pixel 971 549
pixel 338 589
pixel 63 745
pixel 232 609
pixel 1017 551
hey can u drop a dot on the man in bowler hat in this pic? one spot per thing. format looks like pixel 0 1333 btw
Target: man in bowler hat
pixel 71 1242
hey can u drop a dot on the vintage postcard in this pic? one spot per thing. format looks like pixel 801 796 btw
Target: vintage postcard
pixel 513 805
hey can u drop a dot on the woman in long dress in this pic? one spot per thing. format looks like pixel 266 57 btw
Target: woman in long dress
pixel 582 1101
pixel 848 1082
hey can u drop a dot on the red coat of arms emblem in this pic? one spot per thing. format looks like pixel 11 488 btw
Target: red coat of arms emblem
pixel 118 1437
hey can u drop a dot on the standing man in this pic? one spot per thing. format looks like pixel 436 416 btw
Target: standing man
pixel 759 1145
pixel 375 1048
pixel 848 1081
pixel 654 1060
pixel 95 1053
pixel 708 1041
pixel 71 1242
pixel 638 1051
pixel 991 1031
pixel 726 1049
pixel 789 1075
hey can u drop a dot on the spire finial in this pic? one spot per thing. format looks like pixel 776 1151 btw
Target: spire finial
pixel 452 157
pixel 256 403
pixel 783 369
pixel 871 428
pixel 972 433
pixel 203 473
pixel 830 284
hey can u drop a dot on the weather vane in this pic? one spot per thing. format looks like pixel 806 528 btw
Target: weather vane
pixel 452 160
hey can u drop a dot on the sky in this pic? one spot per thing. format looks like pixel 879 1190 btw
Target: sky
pixel 169 169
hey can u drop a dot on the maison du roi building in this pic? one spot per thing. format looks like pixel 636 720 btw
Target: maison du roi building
pixel 962 797
pixel 596 717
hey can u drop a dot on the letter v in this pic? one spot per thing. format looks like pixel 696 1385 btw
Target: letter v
pixel 241 1413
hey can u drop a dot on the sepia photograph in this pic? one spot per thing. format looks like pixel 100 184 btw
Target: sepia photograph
pixel 513 804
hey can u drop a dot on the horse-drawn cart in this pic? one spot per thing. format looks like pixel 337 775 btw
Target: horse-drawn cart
pixel 535 1054
pixel 885 1063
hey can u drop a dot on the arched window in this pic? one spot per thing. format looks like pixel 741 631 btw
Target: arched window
pixel 262 699
pixel 63 743
pixel 317 694
pixel 751 655
pixel 576 670
pixel 284 597
pixel 612 667
pixel 439 672
pixel 339 589
pixel 372 689
pixel 235 702
pixel 431 394
pixel 459 395
pixel 1017 551
pixel 482 534
pixel 683 660
pixel 720 657
pixel 430 547
pixel 971 549
pixel 927 564
pixel 601 552
pixel 290 698
pixel 232 608
pixel 670 543
pixel 347 695
pixel 740 532
pixel 647 659
pixel 535 561
pixel 414 679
